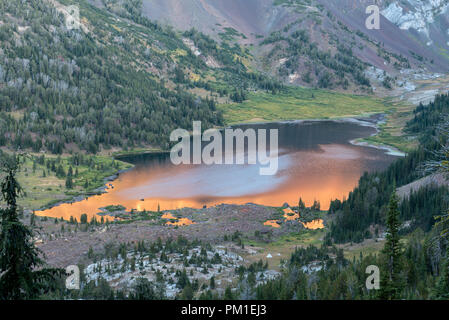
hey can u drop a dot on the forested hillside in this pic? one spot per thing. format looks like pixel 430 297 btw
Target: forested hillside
pixel 422 273
pixel 113 82
pixel 323 68
pixel 366 205
pixel 419 247
pixel 321 43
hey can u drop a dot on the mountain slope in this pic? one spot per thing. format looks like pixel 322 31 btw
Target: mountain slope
pixel 415 29
pixel 248 17
pixel 117 81
pixel 413 36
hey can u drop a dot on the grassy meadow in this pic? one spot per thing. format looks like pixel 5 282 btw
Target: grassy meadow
pixel 391 131
pixel 282 248
pixel 301 103
pixel 42 186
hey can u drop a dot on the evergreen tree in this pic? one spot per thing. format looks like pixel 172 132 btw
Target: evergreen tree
pixel 144 290
pixel 442 286
pixel 19 258
pixel 32 219
pixel 228 295
pixel 391 282
pixel 442 166
pixel 60 173
pixel 441 291
pixel 301 204
pixel 69 182
pixel 83 218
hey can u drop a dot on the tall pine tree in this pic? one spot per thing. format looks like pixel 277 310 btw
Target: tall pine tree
pixel 442 166
pixel 441 291
pixel 391 280
pixel 21 268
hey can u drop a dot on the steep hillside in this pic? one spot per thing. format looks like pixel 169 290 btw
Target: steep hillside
pixel 118 80
pixel 250 17
pixel 415 29
pixel 426 196
pixel 323 43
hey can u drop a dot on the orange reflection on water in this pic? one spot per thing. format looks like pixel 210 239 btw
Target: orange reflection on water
pixel 314 225
pixel 168 216
pixel 178 222
pixel 325 174
pixel 181 222
pixel 272 223
pixel 290 215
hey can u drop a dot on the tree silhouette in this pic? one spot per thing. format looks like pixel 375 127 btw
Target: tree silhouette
pixel 22 275
pixel 391 282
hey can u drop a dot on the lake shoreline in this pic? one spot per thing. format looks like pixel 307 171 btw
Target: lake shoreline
pixel 370 121
pixel 84 195
pixel 373 120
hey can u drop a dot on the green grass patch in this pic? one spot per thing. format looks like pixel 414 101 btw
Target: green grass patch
pixel 43 187
pixel 391 132
pixel 301 103
pixel 283 247
pixel 303 238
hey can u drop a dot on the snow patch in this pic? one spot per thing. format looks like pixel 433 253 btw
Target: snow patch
pixel 418 18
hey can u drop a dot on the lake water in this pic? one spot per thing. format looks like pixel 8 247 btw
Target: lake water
pixel 316 162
